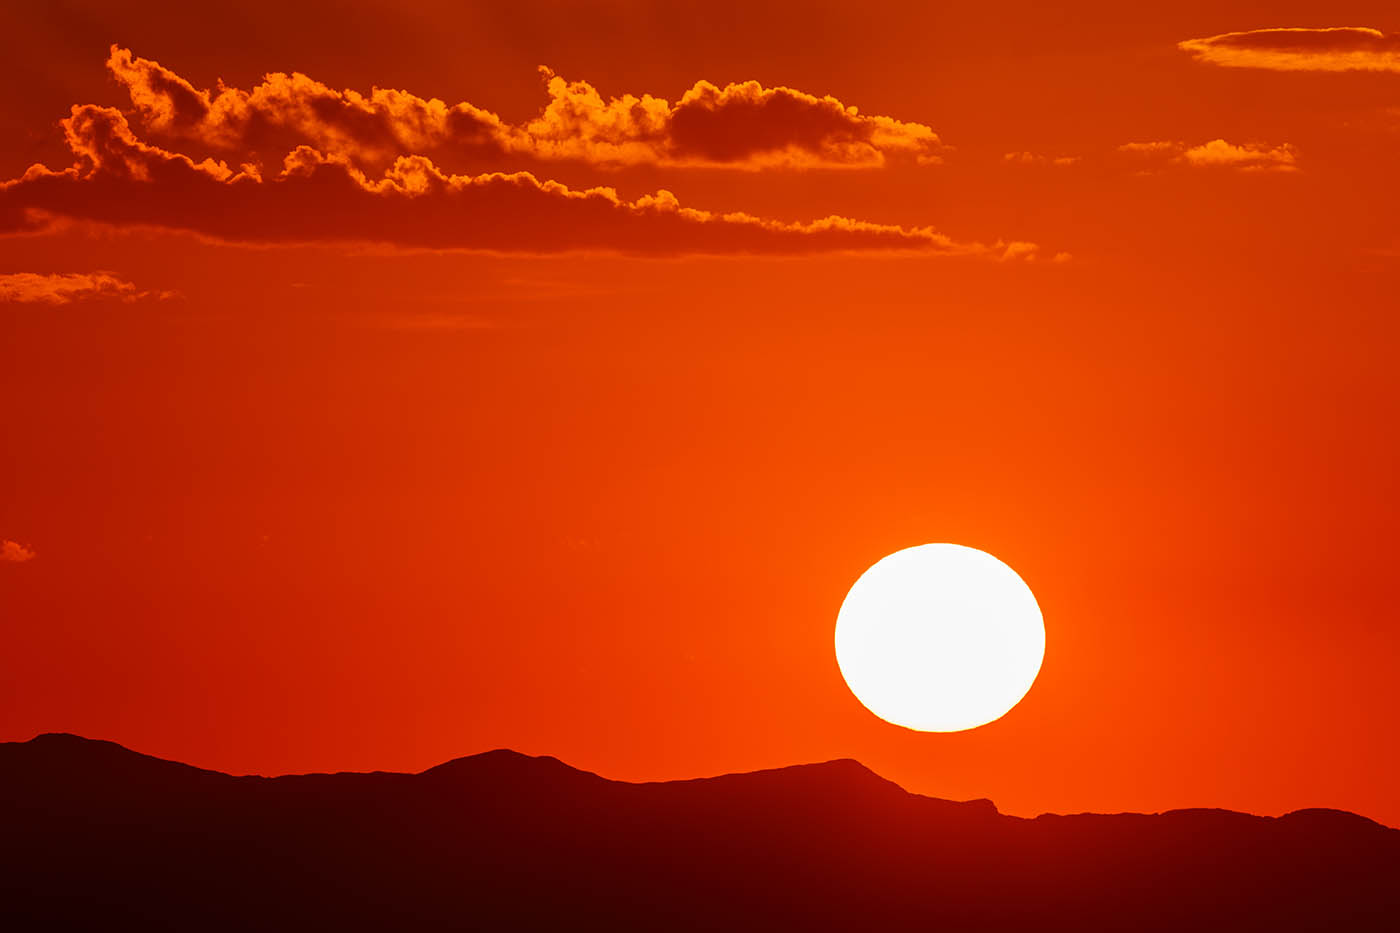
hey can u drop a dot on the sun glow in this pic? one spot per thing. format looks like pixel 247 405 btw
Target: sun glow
pixel 940 638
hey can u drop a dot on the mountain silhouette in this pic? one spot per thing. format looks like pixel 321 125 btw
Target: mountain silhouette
pixel 94 836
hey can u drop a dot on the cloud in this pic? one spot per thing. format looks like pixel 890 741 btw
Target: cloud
pixel 1032 158
pixel 743 125
pixel 287 110
pixel 320 197
pixel 1152 148
pixel 14 552
pixel 1218 153
pixel 67 287
pixel 1339 48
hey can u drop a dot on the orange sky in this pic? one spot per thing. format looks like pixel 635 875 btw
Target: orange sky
pixel 349 463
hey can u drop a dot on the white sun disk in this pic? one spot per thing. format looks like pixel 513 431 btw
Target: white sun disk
pixel 940 638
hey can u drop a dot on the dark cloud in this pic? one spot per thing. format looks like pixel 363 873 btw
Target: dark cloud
pixel 744 125
pixel 1339 48
pixel 318 197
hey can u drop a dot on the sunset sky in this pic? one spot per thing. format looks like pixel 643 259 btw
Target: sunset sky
pixel 388 382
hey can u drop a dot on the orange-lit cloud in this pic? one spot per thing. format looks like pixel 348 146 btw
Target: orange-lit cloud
pixel 1341 48
pixel 320 198
pixel 287 110
pixel 1250 157
pixel 14 552
pixel 67 287
pixel 1218 152
pixel 1032 158
pixel 742 125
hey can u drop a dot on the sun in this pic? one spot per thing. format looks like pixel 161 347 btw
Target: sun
pixel 940 638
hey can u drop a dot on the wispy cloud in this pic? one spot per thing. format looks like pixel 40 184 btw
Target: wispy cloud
pixel 1336 48
pixel 67 287
pixel 1035 158
pixel 1217 153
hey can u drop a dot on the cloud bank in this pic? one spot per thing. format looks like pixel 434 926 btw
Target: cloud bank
pixel 324 197
pixel 744 126
pixel 1339 48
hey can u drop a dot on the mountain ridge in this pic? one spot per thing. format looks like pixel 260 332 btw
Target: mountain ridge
pixel 847 766
pixel 99 836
